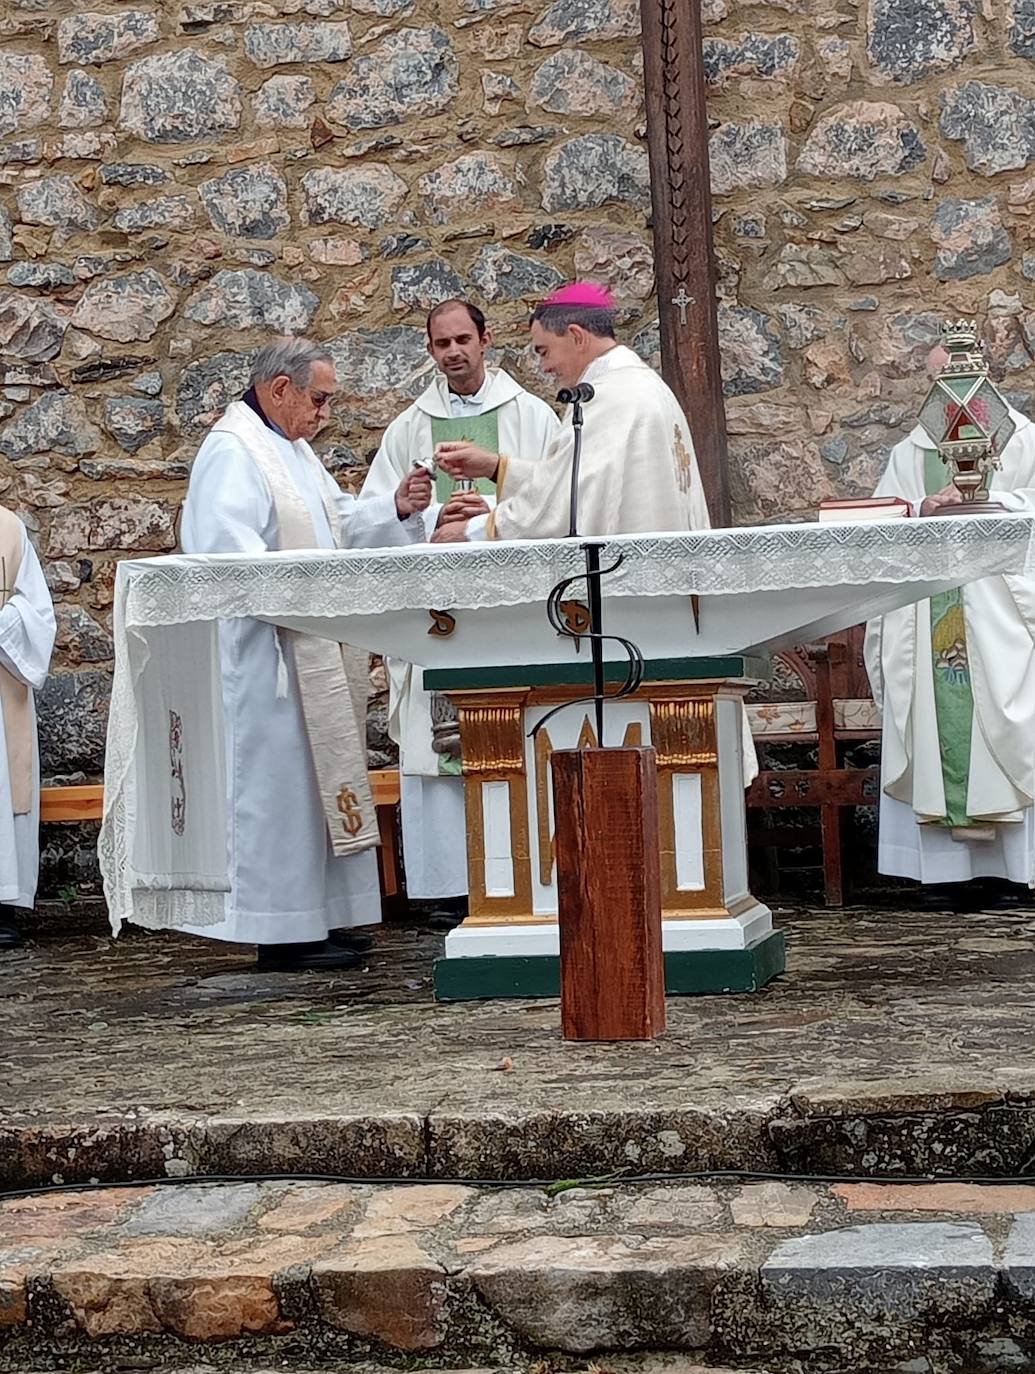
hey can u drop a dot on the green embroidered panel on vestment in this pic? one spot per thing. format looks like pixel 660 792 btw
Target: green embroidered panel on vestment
pixel 482 430
pixel 953 696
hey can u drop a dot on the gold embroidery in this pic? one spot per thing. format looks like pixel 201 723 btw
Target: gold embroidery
pixel 352 815
pixel 178 804
pixel 684 460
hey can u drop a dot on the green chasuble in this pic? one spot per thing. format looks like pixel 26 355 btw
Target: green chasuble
pixel 482 430
pixel 953 697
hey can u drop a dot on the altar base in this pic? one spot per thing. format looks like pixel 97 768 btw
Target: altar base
pixel 717 936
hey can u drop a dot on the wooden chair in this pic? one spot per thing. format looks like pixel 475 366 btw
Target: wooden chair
pixel 839 711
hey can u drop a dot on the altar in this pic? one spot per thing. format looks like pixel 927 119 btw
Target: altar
pixel 703 609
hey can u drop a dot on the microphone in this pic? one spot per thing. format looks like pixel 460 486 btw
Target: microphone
pixel 568 395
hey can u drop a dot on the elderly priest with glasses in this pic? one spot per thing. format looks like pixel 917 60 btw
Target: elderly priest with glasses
pixel 301 821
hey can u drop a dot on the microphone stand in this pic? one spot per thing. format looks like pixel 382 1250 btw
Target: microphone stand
pixel 573 501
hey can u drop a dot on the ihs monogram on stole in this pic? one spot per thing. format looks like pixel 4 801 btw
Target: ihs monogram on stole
pixel 351 812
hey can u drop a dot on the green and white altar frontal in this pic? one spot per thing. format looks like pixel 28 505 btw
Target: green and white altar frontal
pixel 704 609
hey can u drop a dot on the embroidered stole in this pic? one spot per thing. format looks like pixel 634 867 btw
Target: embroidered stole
pixel 15 696
pixel 332 678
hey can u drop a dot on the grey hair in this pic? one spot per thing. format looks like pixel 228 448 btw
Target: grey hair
pixel 291 357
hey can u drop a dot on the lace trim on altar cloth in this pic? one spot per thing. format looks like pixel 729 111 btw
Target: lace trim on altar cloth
pixel 180 588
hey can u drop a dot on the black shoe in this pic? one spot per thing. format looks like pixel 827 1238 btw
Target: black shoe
pixel 351 939
pixel 313 956
pixel 446 915
pixel 10 937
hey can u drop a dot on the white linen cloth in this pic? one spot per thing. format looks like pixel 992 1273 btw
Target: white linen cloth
pixel 999 613
pixel 246 856
pixel 840 572
pixel 432 806
pixel 27 630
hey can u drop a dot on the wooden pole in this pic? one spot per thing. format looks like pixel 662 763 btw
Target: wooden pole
pixel 684 259
pixel 609 894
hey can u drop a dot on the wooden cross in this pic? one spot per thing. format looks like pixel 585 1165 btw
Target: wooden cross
pixel 684 257
pixel 681 300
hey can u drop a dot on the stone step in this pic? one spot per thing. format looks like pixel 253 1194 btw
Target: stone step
pixel 849 1277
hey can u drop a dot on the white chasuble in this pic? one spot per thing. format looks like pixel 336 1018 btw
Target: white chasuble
pixel 432 801
pixel 919 836
pixel 27 630
pixel 285 881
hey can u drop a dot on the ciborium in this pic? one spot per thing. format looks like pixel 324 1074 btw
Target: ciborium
pixel 967 419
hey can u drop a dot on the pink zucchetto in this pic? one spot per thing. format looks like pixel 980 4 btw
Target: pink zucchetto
pixel 590 295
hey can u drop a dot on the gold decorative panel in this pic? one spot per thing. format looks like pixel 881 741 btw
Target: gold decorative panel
pixel 682 730
pixel 492 734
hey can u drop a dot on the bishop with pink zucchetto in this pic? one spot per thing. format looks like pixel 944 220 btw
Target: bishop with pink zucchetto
pixel 638 473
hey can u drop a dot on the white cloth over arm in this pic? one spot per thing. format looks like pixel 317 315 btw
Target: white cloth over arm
pixel 27 630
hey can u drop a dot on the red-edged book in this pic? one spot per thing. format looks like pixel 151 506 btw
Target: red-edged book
pixel 863 509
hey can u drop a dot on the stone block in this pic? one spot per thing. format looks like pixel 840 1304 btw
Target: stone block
pixel 30 329
pixel 593 170
pixel 501 275
pixel 165 212
pixel 57 202
pixel 83 105
pixel 177 97
pixel 125 523
pixel 276 45
pixel 385 1288
pixel 206 387
pixel 750 351
pixel 247 299
pixel 366 197
pixel 373 361
pixel 124 308
pixel 72 709
pixel 398 1211
pixel 970 238
pixel 572 82
pixel 863 140
pixel 749 156
pixel 132 421
pixel 567 21
pixel 282 102
pixel 6 240
pixel 907 40
pixel 581 1294
pixel 996 125
pixel 95 38
pixel 249 202
pixel 469 185
pixel 424 284
pixel 26 87
pixel 773 1204
pixel 881 1287
pixel 412 72
pixel 766 57
pixel 193 1210
pixel 80 638
pixel 55 423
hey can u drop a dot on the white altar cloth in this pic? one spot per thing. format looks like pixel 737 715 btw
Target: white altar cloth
pixel 162 844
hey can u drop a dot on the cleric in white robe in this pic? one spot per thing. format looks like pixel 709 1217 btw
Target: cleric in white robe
pixel 484 405
pixel 638 473
pixel 302 829
pixel 955 679
pixel 27 631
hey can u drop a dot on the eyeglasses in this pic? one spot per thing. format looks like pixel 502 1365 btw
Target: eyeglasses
pixel 318 398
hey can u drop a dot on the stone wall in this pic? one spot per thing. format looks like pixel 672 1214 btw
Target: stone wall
pixel 178 180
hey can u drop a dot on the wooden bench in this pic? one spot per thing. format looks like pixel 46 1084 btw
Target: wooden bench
pixel 85 802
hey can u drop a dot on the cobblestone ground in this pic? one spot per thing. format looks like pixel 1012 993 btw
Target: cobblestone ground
pixel 892 1016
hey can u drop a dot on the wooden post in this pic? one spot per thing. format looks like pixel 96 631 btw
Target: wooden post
pixel 609 894
pixel 684 259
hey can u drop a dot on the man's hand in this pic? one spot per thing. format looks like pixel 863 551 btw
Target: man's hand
pixel 464 459
pixel 948 496
pixel 462 505
pixel 413 493
pixel 453 533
